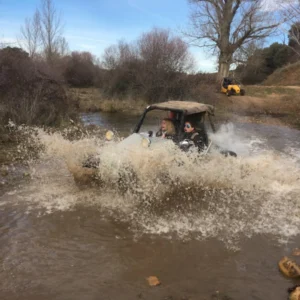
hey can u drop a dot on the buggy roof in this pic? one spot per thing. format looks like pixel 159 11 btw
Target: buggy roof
pixel 187 106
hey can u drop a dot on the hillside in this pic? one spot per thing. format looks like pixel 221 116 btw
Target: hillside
pixel 274 105
pixel 287 75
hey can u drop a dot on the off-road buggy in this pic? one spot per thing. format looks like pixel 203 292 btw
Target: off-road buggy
pixel 231 87
pixel 143 135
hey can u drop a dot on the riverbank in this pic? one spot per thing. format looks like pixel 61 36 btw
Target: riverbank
pixel 261 104
pixel 92 100
pixel 264 105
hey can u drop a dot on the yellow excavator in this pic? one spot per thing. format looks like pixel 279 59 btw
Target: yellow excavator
pixel 231 87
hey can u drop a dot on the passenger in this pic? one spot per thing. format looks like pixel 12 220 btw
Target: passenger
pixel 198 139
pixel 167 129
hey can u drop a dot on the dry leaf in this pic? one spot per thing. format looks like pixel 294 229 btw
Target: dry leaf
pixel 289 267
pixel 295 295
pixel 153 281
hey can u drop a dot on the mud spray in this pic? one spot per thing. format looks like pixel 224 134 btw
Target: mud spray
pixel 164 191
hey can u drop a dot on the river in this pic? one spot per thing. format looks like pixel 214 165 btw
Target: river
pixel 214 227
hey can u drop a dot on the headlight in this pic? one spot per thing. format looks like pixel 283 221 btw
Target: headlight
pixel 109 135
pixel 145 142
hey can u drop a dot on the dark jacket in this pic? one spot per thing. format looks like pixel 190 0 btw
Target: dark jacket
pixel 198 139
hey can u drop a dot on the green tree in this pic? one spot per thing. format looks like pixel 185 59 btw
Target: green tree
pixel 276 55
pixel 263 62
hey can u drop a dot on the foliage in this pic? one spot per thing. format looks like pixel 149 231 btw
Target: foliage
pixel 263 62
pixel 80 70
pixel 29 95
pixel 153 68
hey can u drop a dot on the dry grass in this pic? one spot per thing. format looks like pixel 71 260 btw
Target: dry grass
pixel 265 91
pixel 263 104
pixel 272 105
pixel 92 100
pixel 287 75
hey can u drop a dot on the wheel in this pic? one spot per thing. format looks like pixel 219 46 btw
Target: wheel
pixel 242 92
pixel 230 92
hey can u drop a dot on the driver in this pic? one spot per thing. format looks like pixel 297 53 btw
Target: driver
pixel 167 129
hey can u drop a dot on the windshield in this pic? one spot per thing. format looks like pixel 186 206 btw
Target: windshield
pixel 152 121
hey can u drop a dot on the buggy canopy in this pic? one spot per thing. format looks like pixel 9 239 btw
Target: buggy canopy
pixel 188 107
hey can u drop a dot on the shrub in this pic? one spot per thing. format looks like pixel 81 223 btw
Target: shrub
pixel 29 94
pixel 152 68
pixel 80 69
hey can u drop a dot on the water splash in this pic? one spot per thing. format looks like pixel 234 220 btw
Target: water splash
pixel 166 191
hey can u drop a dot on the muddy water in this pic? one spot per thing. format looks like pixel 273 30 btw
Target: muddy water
pixel 200 224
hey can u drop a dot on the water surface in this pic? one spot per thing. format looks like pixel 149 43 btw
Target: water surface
pixel 208 225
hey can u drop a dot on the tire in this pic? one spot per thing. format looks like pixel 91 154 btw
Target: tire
pixel 242 92
pixel 230 92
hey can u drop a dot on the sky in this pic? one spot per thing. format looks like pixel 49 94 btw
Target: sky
pixel 93 25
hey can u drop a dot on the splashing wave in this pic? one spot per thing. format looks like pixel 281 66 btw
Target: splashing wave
pixel 166 191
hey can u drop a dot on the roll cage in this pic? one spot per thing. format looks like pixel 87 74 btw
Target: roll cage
pixel 181 111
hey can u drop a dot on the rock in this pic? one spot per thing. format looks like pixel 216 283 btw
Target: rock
pixel 296 252
pixel 294 293
pixel 289 267
pixel 153 281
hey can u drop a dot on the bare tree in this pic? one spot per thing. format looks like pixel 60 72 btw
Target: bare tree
pixel 51 29
pixel 224 26
pixel 119 55
pixel 243 54
pixel 290 9
pixel 31 34
pixel 153 67
pixel 44 32
pixel 162 51
pixel 62 46
pixel 110 57
pixel 164 58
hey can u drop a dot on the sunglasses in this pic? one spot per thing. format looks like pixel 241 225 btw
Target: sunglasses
pixel 187 126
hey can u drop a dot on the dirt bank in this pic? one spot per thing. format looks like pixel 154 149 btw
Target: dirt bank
pixel 262 104
pixel 93 100
pixel 286 76
pixel 269 105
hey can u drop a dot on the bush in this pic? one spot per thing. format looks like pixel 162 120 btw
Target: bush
pixel 262 63
pixel 29 94
pixel 80 70
pixel 153 68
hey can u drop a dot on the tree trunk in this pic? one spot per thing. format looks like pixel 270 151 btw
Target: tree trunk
pixel 223 70
pixel 225 60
